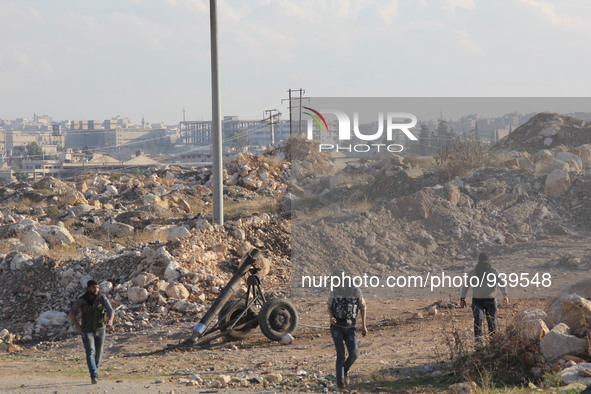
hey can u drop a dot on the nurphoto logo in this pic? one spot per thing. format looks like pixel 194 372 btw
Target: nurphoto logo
pixel 392 122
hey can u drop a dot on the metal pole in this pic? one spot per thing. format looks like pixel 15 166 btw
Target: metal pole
pixel 216 123
pixel 289 113
pixel 300 108
pixel 272 128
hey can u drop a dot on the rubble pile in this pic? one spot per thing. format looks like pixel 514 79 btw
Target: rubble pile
pixel 571 262
pixel 436 225
pixel 391 214
pixel 547 130
pixel 148 283
pixel 556 339
pixel 307 161
pixel 266 173
pixel 143 236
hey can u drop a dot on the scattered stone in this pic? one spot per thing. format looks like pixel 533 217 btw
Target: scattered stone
pixel 463 388
pixel 287 339
pixel 272 378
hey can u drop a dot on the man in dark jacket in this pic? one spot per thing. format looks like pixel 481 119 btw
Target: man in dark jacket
pixel 484 297
pixel 97 314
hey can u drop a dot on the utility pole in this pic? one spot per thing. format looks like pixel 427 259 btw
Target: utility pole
pixel 216 154
pixel 302 91
pixel 272 118
pixel 289 101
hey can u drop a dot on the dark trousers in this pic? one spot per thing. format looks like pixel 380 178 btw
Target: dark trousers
pixel 93 345
pixel 482 307
pixel 344 337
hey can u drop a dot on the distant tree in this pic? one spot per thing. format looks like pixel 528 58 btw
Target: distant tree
pixel 35 151
pixel 442 129
pixel 424 140
pixel 21 176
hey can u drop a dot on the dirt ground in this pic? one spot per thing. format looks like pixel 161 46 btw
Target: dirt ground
pixel 398 346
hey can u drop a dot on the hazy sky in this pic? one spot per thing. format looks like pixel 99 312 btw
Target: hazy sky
pixel 94 59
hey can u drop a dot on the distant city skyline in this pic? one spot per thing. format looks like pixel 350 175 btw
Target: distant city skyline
pixel 95 60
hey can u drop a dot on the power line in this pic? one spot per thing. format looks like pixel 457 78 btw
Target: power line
pixel 272 118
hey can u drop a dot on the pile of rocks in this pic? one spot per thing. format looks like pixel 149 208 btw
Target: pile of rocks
pixel 547 130
pixel 557 337
pixel 437 224
pixel 266 173
pixel 148 284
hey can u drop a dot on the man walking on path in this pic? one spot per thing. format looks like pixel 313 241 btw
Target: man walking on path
pixel 484 297
pixel 97 314
pixel 344 303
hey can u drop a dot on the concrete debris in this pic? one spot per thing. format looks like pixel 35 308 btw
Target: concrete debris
pixel 558 343
pixel 580 373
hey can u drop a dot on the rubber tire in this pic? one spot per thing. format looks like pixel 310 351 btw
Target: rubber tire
pixel 282 309
pixel 231 311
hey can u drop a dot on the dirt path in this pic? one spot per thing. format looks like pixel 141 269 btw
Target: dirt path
pixel 397 346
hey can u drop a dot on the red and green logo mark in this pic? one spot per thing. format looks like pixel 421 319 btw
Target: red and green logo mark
pixel 317 116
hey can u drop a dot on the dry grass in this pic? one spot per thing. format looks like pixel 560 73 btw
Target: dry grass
pixel 22 203
pixel 145 236
pixel 461 157
pixel 243 208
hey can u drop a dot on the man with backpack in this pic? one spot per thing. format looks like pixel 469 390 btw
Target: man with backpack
pixel 97 314
pixel 344 303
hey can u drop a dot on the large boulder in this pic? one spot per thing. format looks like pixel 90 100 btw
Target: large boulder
pixel 541 159
pixel 178 232
pixel 117 229
pixel 177 291
pixel 51 323
pixel 557 183
pixel 172 271
pixel 144 279
pixel 18 261
pixel 158 256
pixel 558 343
pixel 157 231
pixel 137 295
pixel 572 309
pixel 584 152
pixel 74 197
pixel 56 235
pixel 554 307
pixel 574 161
pixel 556 165
pixel 106 287
pixel 153 200
pixel 34 243
pixel 529 325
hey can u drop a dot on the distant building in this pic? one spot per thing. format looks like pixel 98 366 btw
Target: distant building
pixel 111 134
pixel 6 173
pixel 37 169
pixel 15 139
